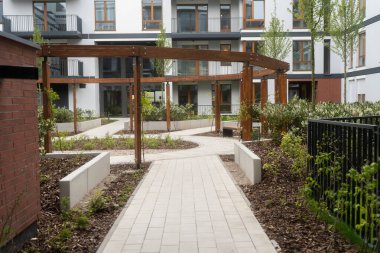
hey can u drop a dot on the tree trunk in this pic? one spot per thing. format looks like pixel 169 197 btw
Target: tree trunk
pixel 313 86
pixel 345 82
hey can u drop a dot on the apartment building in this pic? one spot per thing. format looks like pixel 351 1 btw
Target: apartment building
pixel 235 25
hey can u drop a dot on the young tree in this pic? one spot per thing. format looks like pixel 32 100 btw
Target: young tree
pixel 314 13
pixel 162 65
pixel 276 41
pixel 344 30
pixel 38 39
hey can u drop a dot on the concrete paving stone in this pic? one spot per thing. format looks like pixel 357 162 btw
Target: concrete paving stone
pixel 157 223
pixel 247 250
pixel 120 234
pixel 154 233
pixel 191 237
pixel 139 229
pixel 131 248
pixel 113 247
pixel 170 239
pixel 135 239
pixel 208 250
pixel 172 228
pixel 226 248
pixel 151 246
pixel 188 247
pixel 240 235
pixel 169 249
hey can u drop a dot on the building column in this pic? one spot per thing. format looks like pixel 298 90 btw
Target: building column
pixel 217 106
pixel 167 98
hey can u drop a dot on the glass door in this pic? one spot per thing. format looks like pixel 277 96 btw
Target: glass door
pixel 192 18
pixel 225 18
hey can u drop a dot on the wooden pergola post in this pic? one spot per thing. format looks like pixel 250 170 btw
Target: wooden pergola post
pixel 217 106
pixel 264 100
pixel 137 61
pixel 75 108
pixel 46 103
pixel 131 106
pixel 246 94
pixel 167 99
pixel 281 88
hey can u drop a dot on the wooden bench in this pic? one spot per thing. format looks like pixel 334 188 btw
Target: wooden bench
pixel 228 131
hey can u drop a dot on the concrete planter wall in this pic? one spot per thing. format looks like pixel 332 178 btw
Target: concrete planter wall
pixel 249 162
pixel 81 181
pixel 174 125
pixel 82 126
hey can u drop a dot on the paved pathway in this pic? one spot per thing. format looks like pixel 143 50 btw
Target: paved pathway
pixel 102 131
pixel 187 205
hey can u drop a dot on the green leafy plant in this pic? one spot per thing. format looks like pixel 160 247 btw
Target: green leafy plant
pixel 292 146
pixel 97 203
pixel 82 222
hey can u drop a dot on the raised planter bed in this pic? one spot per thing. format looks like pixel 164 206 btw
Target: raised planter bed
pixel 174 125
pixel 81 126
pixel 248 161
pixel 81 181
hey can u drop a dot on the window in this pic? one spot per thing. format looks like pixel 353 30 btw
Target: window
pixel 193 68
pixel 192 18
pixel 301 55
pixel 105 15
pixel 254 13
pixel 225 47
pixel 151 14
pixel 50 16
pixel 225 103
pixel 361 98
pixel 361 49
pixel 297 22
pixel 225 18
pixel 326 57
pixel 1 9
pixel 362 5
pixel 253 46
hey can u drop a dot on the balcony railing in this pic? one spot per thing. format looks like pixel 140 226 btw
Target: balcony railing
pixel 66 68
pixel 58 24
pixel 219 24
pixel 204 68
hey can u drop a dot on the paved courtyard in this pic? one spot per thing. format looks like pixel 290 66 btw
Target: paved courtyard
pixel 187 205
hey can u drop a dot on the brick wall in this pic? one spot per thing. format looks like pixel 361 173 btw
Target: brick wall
pixel 19 157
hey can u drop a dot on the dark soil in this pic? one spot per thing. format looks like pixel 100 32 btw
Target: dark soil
pixel 145 131
pixel 280 209
pixel 107 121
pixel 59 232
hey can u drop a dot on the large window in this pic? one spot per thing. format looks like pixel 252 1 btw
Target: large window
pixel 253 46
pixel 105 15
pixel 50 16
pixel 225 18
pixel 361 53
pixel 192 18
pixel 225 103
pixel 298 23
pixel 152 14
pixel 193 68
pixel 226 48
pixel 301 55
pixel 254 13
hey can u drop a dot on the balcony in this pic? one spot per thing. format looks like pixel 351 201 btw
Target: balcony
pixel 204 68
pixel 212 28
pixel 66 68
pixel 56 26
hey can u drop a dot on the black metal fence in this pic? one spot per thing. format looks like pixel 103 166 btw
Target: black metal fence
pixel 339 149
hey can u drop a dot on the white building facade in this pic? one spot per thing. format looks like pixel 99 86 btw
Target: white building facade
pixel 214 24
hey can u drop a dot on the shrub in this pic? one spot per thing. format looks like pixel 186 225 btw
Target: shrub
pixel 63 114
pixel 82 222
pixel 97 203
pixel 292 146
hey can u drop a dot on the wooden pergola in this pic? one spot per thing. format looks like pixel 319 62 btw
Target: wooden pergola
pixel 247 90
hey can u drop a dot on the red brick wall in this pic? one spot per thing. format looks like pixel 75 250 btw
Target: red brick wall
pixel 19 157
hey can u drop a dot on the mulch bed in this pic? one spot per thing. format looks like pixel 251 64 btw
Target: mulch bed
pixel 279 207
pixel 220 134
pixel 122 132
pixel 53 225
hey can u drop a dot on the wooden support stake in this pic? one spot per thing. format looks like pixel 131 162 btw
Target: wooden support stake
pixel 217 106
pixel 264 100
pixel 281 88
pixel 46 103
pixel 167 97
pixel 137 61
pixel 75 108
pixel 246 103
pixel 131 107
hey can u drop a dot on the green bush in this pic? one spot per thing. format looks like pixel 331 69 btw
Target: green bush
pixel 62 114
pixel 97 203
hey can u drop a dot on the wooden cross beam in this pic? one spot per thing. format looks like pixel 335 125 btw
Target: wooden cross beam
pixel 160 53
